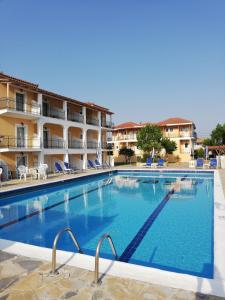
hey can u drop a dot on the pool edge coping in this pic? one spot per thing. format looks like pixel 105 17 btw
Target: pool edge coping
pixel 192 283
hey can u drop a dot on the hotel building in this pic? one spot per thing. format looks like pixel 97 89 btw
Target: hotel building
pixel 176 129
pixel 39 126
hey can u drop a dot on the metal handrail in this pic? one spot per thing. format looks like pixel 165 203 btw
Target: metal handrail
pixel 108 237
pixel 57 237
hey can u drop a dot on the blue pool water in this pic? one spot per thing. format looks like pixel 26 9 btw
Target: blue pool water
pixel 158 219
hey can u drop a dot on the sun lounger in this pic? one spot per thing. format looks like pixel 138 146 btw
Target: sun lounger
pixel 91 164
pixel 160 163
pixel 58 168
pixel 213 163
pixel 148 162
pixel 98 165
pixel 199 163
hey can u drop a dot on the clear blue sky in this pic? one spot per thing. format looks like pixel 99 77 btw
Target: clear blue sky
pixel 146 60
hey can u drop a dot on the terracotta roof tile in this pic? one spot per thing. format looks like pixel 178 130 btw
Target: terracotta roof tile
pixel 175 120
pixel 127 125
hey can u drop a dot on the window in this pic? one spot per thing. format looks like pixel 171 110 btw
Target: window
pixel 169 129
pixel 186 145
pixel 81 157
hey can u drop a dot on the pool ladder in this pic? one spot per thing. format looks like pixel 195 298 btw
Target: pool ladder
pixel 99 245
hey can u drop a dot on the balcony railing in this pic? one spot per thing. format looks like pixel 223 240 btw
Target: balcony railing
pixel 12 104
pixel 54 143
pixel 104 145
pixel 106 124
pixel 92 145
pixel 92 121
pixel 124 137
pixel 18 143
pixel 74 144
pixel 53 112
pixel 75 117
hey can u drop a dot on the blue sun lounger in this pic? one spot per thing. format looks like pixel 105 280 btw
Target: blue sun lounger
pixel 199 163
pixel 213 163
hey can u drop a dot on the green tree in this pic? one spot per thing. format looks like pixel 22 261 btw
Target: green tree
pixel 169 145
pixel 149 137
pixel 127 152
pixel 199 153
pixel 217 136
pixel 207 142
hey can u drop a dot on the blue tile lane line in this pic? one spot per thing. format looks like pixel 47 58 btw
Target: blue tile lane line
pixel 133 245
pixel 49 207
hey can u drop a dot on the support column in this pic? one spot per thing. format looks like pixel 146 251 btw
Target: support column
pixel 85 161
pixel 84 113
pixel 7 90
pixel 84 140
pixel 65 139
pixel 40 101
pixel 65 109
pixel 99 150
pixel 40 142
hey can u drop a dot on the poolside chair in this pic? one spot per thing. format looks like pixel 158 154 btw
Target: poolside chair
pixel 199 163
pixel 67 168
pixel 22 172
pixel 148 162
pixel 58 168
pixel 160 163
pixel 98 165
pixel 42 171
pixel 91 164
pixel 213 163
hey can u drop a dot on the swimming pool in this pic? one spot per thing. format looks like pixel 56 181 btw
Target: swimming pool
pixel 159 219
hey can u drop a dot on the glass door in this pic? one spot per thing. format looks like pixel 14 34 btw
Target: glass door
pixel 21 136
pixel 46 138
pixel 19 102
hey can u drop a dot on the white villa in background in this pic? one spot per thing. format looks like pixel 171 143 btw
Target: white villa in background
pixel 180 130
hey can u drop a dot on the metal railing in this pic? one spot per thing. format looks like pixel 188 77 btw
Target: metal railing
pixel 108 237
pixel 17 142
pixel 12 104
pixel 74 144
pixel 92 121
pixel 106 124
pixel 54 143
pixel 105 145
pixel 92 145
pixel 59 234
pixel 124 137
pixel 75 117
pixel 54 112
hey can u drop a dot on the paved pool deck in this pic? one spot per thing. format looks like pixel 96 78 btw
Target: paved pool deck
pixel 25 278
pixel 28 279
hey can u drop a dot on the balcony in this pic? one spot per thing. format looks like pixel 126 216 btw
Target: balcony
pixel 75 144
pixel 54 143
pixel 75 117
pixel 11 107
pixel 54 112
pixel 92 145
pixel 12 142
pixel 92 121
